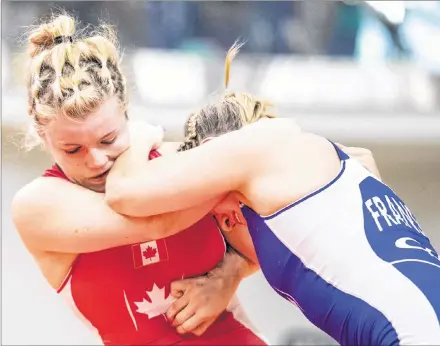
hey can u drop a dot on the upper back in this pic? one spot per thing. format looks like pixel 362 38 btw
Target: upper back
pixel 291 164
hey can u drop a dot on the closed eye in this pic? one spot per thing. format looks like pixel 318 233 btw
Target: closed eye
pixel 74 151
pixel 110 141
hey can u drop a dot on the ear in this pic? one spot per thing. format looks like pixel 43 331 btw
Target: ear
pixel 224 222
pixel 228 213
pixel 42 140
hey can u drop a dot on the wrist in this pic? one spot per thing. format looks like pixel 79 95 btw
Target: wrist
pixel 233 268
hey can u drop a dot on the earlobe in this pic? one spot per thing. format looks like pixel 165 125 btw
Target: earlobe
pixel 41 138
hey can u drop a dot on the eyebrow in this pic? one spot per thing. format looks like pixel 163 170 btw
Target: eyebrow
pixel 103 137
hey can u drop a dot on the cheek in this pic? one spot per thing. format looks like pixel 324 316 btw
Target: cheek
pixel 74 168
pixel 60 157
pixel 122 144
pixel 71 165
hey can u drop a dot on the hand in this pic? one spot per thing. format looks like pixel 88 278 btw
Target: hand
pixel 145 135
pixel 200 301
pixel 362 155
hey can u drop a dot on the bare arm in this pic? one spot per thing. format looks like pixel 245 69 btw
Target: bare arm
pixel 236 265
pixel 54 215
pixel 138 188
pixel 240 239
pixel 202 299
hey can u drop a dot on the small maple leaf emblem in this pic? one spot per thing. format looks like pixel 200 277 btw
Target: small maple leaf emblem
pixel 149 253
pixel 158 306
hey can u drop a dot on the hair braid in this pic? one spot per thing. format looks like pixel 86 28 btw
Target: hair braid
pixel 72 77
pixel 190 133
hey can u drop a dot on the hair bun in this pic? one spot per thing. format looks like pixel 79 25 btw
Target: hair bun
pixel 46 35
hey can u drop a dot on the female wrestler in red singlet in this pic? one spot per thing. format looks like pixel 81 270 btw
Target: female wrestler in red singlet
pixel 116 278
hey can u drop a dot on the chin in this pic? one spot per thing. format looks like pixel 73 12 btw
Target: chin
pixel 100 189
pixel 95 187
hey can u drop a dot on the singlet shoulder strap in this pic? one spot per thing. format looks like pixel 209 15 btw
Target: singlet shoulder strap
pixel 56 172
pixel 154 154
pixel 342 156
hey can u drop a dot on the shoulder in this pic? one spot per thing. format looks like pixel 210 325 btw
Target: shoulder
pixel 33 198
pixel 26 204
pixel 274 126
pixel 38 188
pixel 31 191
pixel 30 194
pixel 261 136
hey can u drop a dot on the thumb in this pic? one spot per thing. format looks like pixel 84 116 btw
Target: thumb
pixel 179 287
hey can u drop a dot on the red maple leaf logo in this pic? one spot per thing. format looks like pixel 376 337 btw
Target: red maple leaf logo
pixel 149 252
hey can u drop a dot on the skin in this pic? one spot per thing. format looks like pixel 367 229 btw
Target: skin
pixel 87 148
pixel 237 233
pixel 75 218
pixel 248 162
pixel 198 305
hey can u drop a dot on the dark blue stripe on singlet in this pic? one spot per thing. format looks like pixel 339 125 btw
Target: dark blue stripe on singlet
pixel 342 156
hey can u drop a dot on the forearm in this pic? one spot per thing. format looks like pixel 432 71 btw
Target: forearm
pixel 234 267
pixel 244 266
pixel 132 161
pixel 177 221
pixel 125 192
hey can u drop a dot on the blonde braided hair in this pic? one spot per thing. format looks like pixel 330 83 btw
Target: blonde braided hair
pixel 71 74
pixel 230 113
pixel 190 133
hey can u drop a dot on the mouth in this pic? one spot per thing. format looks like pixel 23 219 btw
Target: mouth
pixel 100 176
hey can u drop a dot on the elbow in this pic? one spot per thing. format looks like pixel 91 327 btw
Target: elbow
pixel 115 202
pixel 125 198
pixel 117 196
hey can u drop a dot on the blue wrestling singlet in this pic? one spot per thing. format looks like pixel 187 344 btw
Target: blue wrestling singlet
pixel 353 258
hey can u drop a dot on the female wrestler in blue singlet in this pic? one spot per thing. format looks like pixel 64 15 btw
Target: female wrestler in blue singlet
pixel 329 235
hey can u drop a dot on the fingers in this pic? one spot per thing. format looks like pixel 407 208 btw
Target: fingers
pixel 196 308
pixel 179 287
pixel 353 150
pixel 177 307
pixel 184 315
pixel 362 155
pixel 190 324
pixel 203 327
pixel 176 294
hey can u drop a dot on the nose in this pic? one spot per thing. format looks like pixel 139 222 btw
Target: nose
pixel 96 159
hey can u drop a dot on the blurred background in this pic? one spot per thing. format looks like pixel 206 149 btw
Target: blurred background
pixel 359 73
